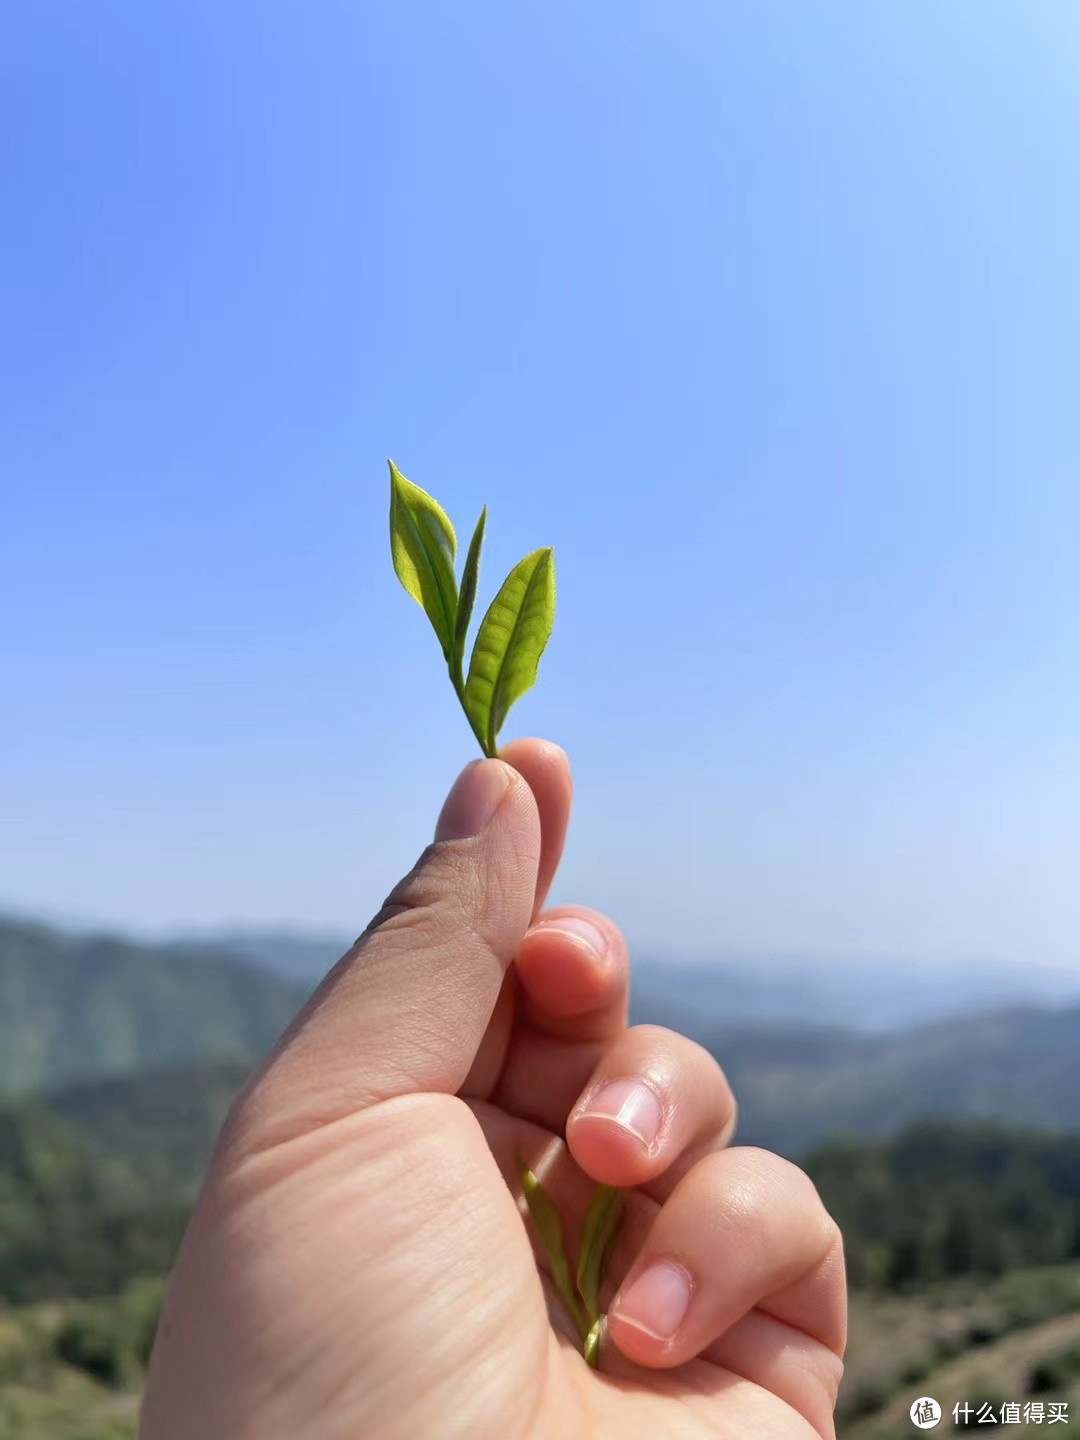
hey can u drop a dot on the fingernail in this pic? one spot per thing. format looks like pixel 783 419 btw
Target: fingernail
pixel 657 1301
pixel 474 797
pixel 630 1105
pixel 580 929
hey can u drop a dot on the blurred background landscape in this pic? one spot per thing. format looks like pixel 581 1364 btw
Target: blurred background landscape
pixel 940 1127
pixel 766 318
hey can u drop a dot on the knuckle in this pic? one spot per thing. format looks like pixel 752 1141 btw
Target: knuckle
pixel 657 1038
pixel 780 1174
pixel 749 1184
pixel 828 1370
pixel 675 1046
pixel 731 1124
pixel 715 1070
pixel 804 1195
pixel 438 883
pixel 767 1180
pixel 833 1234
pixel 830 1238
pixel 690 1070
pixel 234 1122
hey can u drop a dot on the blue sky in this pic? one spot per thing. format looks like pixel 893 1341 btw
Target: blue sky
pixel 765 316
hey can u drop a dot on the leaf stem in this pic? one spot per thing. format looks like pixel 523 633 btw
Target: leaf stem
pixel 570 1300
pixel 457 679
pixel 591 1348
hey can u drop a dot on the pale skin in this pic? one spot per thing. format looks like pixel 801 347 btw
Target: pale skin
pixel 359 1265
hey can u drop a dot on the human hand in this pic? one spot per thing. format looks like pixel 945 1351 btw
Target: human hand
pixel 357 1267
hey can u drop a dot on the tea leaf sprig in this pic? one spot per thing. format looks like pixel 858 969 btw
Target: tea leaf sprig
pixel 512 635
pixel 505 657
pixel 598 1234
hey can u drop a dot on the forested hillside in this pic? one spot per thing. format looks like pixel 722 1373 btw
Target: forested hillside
pixel 943 1200
pixel 73 1221
pixel 76 1007
pixel 86 1204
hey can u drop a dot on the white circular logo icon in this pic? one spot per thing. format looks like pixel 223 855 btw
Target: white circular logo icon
pixel 925 1413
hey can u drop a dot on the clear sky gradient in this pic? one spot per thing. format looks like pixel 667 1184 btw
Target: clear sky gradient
pixel 766 316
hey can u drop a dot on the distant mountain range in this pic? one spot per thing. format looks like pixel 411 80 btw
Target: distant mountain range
pixel 141 1046
pixel 301 956
pixel 796 1087
pixel 872 995
pixel 77 1007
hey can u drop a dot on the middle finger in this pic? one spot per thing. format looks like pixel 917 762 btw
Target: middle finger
pixel 655 1105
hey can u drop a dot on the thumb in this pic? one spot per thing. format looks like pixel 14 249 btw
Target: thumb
pixel 406 1008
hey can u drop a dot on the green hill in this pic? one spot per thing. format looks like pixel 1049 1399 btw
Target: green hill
pixel 161 1123
pixel 75 1007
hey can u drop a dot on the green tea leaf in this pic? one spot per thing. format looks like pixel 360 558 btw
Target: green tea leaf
pixel 469 577
pixel 423 546
pixel 509 643
pixel 545 1217
pixel 513 633
pixel 597 1242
